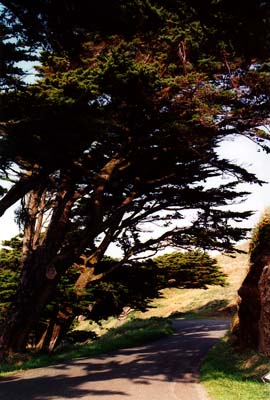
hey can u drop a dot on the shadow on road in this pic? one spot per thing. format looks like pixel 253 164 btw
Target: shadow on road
pixel 172 359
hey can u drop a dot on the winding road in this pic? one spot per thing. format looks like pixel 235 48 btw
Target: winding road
pixel 167 369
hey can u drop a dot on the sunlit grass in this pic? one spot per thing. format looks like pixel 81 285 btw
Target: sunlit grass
pixel 230 375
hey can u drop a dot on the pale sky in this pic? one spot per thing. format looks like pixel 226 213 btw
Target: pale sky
pixel 249 155
pixel 242 150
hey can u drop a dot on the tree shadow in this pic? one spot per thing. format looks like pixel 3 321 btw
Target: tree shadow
pixel 118 374
pixel 220 308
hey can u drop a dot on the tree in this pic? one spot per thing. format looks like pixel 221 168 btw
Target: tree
pixel 12 50
pixel 192 269
pixel 10 260
pixel 120 130
pixel 254 328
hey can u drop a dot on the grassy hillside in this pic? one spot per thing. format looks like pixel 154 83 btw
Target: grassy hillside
pixel 214 301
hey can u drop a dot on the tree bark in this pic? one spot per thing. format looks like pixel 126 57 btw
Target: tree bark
pixel 56 329
pixel 34 292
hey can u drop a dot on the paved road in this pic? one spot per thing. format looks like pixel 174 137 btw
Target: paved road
pixel 167 369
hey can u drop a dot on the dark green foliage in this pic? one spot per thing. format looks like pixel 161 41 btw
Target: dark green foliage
pixel 191 269
pixel 79 336
pixel 213 229
pixel 9 283
pixel 11 253
pixel 10 260
pixel 63 25
pixel 15 51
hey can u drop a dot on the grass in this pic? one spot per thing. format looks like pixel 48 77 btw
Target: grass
pixel 226 373
pixel 132 333
pixel 230 375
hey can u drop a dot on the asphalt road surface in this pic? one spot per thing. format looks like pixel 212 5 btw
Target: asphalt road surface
pixel 167 369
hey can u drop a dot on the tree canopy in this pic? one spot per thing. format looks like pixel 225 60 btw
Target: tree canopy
pixel 120 129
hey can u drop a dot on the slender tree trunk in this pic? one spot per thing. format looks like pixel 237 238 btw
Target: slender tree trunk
pixel 58 326
pixel 44 340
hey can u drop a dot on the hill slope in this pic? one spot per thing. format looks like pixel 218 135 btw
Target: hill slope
pixel 214 301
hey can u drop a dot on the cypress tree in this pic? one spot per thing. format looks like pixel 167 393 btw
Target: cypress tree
pixel 121 129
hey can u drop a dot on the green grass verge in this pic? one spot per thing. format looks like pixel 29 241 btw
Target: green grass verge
pixel 130 334
pixel 229 375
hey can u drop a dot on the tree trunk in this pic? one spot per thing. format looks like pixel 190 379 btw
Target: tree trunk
pixel 44 340
pixel 58 326
pixel 41 270
pixel 38 282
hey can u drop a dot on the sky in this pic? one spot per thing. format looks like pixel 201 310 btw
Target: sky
pixel 240 150
pixel 246 153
